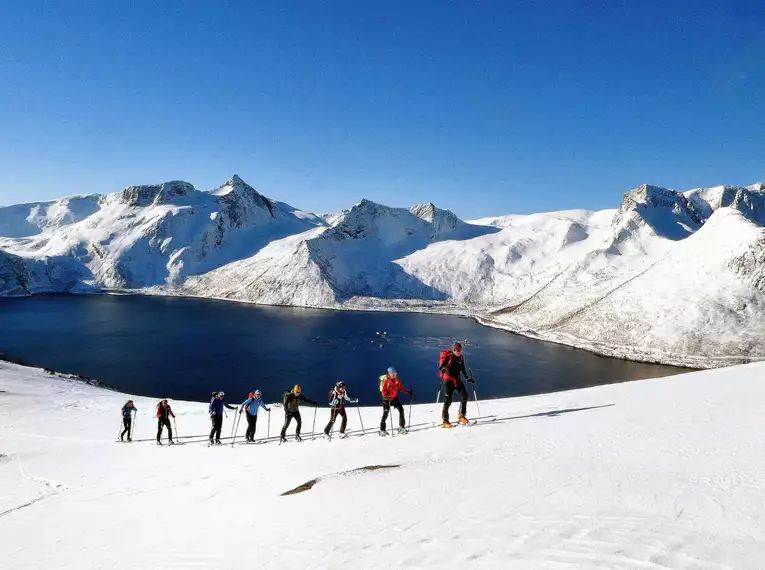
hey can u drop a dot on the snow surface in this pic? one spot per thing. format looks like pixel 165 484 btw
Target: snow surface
pixel 670 277
pixel 663 473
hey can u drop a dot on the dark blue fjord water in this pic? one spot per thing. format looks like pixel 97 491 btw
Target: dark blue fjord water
pixel 186 348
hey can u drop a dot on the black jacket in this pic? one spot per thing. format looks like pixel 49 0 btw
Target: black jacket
pixel 453 365
pixel 292 402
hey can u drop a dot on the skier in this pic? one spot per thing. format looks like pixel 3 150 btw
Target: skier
pixel 216 416
pixel 291 403
pixel 164 412
pixel 251 406
pixel 337 399
pixel 390 386
pixel 451 366
pixel 127 420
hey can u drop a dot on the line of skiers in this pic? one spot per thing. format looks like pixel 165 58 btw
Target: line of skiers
pixel 451 370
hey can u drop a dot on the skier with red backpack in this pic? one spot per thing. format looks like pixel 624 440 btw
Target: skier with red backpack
pixel 164 413
pixel 390 386
pixel 337 398
pixel 451 366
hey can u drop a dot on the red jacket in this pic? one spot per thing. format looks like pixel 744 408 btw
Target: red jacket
pixel 391 387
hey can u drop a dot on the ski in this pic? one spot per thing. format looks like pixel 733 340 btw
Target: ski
pixel 475 421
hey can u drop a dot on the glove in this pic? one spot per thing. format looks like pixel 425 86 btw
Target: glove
pixel 355 401
pixel 411 393
pixel 240 412
pixel 471 380
pixel 334 402
pixel 442 370
pixel 268 409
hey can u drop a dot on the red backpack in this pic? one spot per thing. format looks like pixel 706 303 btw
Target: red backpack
pixel 444 355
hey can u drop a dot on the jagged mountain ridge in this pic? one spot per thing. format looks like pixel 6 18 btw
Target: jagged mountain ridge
pixel 673 277
pixel 157 235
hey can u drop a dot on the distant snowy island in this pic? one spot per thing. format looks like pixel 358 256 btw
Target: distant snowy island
pixel 668 277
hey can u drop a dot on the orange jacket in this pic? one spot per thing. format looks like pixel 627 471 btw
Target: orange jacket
pixel 391 387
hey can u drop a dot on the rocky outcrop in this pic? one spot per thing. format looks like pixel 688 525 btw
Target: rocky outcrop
pixel 664 212
pixel 155 194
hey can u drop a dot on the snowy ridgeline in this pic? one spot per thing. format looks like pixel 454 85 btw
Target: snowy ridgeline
pixel 670 277
pixel 664 473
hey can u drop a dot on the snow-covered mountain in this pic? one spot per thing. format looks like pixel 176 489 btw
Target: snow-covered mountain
pixel 151 235
pixel 355 257
pixel 674 277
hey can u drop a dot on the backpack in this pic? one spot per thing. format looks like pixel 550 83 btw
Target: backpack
pixel 444 355
pixel 382 380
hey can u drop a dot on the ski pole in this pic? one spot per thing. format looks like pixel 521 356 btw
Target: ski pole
pixel 313 428
pixel 475 394
pixel 122 426
pixel 234 426
pixel 410 411
pixel 175 425
pixel 269 424
pixel 360 420
pixel 133 424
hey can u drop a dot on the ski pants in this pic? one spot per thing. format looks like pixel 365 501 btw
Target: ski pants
pixel 396 403
pixel 333 416
pixel 128 423
pixel 288 418
pixel 449 389
pixel 164 422
pixel 252 421
pixel 217 426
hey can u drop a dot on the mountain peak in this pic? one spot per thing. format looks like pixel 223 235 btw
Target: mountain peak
pixel 668 213
pixel 239 198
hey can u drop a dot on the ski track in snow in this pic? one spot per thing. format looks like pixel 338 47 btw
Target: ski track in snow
pixel 665 473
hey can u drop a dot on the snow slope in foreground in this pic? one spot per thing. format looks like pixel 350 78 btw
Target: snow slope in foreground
pixel 665 473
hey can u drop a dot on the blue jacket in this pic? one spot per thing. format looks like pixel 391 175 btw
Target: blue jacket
pixel 127 412
pixel 217 405
pixel 253 409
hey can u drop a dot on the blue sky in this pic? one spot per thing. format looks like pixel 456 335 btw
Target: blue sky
pixel 481 107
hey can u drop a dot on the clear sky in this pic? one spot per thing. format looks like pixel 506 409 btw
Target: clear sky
pixel 478 106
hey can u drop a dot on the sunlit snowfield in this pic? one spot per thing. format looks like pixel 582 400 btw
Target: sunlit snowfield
pixel 664 473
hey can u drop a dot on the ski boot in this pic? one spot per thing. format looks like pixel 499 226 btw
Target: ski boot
pixel 383 433
pixel 447 424
pixel 282 440
pixel 171 442
pixel 298 438
pixel 403 430
pixel 343 435
pixel 463 420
